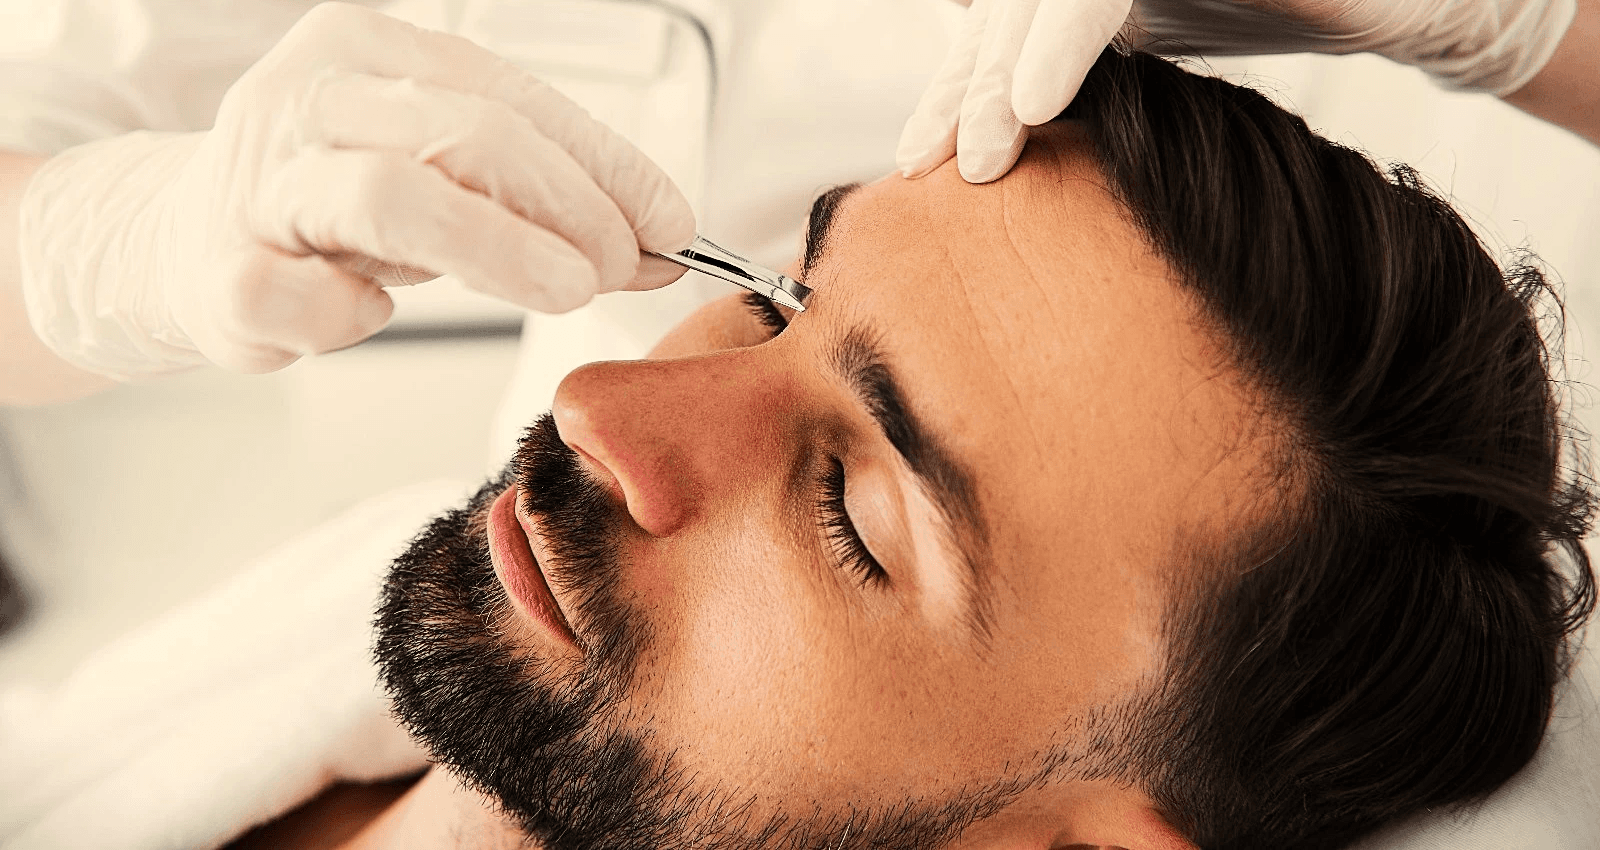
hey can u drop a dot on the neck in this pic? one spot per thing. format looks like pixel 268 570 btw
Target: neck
pixel 439 813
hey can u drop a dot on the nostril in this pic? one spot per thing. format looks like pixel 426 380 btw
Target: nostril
pixel 602 476
pixel 645 489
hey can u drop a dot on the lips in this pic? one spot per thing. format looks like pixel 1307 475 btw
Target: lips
pixel 511 549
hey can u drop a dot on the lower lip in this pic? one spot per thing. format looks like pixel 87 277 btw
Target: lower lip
pixel 518 571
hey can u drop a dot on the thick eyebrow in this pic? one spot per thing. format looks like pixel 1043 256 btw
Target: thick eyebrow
pixel 859 361
pixel 819 225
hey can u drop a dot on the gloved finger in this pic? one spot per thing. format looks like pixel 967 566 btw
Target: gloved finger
pixel 654 273
pixel 990 138
pixel 1062 45
pixel 307 305
pixel 387 206
pixel 382 273
pixel 483 145
pixel 660 215
pixel 340 34
pixel 928 139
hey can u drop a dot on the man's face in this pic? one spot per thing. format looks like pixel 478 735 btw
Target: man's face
pixel 887 568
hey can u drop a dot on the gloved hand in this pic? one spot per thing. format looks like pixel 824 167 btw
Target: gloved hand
pixel 1477 45
pixel 359 152
pixel 1015 63
pixel 1019 62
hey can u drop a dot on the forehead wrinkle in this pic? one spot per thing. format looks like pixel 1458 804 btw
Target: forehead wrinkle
pixel 978 583
pixel 1033 271
pixel 994 334
pixel 972 287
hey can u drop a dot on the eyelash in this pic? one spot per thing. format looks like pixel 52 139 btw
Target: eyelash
pixel 766 313
pixel 846 543
pixel 848 548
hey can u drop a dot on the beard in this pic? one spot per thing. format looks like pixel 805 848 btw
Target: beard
pixel 555 749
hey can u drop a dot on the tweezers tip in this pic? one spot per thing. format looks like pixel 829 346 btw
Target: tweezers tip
pixel 791 293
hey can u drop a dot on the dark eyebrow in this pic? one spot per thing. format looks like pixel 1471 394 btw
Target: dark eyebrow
pixel 860 362
pixel 819 224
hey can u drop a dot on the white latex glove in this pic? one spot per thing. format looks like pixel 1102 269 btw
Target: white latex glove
pixel 1479 45
pixel 1019 62
pixel 359 152
pixel 1016 63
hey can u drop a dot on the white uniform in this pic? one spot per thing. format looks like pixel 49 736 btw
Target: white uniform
pixel 797 95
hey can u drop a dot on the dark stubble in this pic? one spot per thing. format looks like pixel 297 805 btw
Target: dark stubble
pixel 552 747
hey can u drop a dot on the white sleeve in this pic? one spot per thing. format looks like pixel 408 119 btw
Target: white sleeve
pixel 76 70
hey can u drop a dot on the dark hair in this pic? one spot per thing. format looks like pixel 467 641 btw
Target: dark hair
pixel 1390 638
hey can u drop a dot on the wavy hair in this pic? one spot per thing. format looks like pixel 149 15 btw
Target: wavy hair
pixel 1390 639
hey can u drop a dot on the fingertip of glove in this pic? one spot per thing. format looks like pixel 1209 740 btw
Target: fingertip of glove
pixel 979 174
pixel 927 141
pixel 917 167
pixel 1038 96
pixel 990 139
pixel 985 167
pixel 1032 112
pixel 654 273
pixel 624 277
pixel 669 224
pixel 917 158
pixel 374 312
pixel 565 283
pixel 564 301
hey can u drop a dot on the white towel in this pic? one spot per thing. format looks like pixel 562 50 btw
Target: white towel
pixel 226 713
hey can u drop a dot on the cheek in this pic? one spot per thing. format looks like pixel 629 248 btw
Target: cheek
pixel 771 679
pixel 758 678
pixel 746 630
pixel 720 325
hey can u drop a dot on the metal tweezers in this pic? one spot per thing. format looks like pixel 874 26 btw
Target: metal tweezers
pixel 703 255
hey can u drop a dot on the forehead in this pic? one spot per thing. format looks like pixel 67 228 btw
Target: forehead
pixel 1055 355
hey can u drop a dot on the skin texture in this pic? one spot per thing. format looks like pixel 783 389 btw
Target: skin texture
pixel 1053 357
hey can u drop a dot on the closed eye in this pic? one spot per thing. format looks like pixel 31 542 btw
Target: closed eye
pixel 766 312
pixel 849 550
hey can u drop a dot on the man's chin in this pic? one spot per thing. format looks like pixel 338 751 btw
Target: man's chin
pixel 488 711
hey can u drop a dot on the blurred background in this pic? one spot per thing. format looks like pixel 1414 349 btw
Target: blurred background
pixel 116 508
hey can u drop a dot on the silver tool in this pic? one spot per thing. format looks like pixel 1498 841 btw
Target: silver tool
pixel 703 255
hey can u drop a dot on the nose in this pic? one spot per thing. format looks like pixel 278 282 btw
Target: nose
pixel 677 437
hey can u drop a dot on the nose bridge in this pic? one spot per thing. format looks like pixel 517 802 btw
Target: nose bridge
pixel 673 434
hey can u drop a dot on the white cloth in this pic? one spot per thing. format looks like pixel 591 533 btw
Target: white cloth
pixel 225 713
